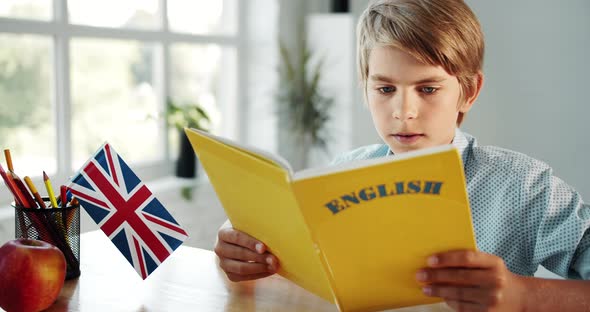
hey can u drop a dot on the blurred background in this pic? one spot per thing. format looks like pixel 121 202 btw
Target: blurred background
pixel 76 73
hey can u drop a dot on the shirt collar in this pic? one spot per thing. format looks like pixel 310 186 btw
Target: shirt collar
pixel 460 142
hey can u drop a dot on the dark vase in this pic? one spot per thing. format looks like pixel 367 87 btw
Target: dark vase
pixel 186 163
pixel 340 6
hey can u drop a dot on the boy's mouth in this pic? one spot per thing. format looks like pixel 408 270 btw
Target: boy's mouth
pixel 407 138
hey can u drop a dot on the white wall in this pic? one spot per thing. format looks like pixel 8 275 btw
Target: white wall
pixel 337 54
pixel 261 59
pixel 535 98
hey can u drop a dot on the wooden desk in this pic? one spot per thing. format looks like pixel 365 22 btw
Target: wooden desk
pixel 190 280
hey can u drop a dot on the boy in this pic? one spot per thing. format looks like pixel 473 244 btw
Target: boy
pixel 420 65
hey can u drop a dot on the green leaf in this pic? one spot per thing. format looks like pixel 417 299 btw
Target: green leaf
pixel 190 115
pixel 301 100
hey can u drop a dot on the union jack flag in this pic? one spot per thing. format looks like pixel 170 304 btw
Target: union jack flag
pixel 126 211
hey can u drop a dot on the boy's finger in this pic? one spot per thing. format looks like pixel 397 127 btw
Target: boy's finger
pixel 241 239
pixel 473 277
pixel 227 250
pixel 238 278
pixel 457 293
pixel 464 306
pixel 243 268
pixel 464 259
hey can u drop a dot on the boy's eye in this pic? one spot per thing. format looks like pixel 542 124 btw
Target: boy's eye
pixel 385 90
pixel 428 90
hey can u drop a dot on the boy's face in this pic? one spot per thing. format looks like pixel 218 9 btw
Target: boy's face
pixel 414 105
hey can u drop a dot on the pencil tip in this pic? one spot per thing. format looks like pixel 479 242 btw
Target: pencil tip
pixel 45 177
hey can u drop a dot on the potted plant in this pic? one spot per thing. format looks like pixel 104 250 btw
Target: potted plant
pixel 302 104
pixel 190 115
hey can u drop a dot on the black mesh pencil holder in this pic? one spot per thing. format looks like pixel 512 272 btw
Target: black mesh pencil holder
pixel 57 226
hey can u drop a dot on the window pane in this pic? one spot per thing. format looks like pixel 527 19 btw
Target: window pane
pixel 112 97
pixel 27 122
pixel 205 74
pixel 29 9
pixel 217 17
pixel 114 13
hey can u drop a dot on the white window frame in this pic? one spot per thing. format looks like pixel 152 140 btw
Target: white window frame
pixel 62 32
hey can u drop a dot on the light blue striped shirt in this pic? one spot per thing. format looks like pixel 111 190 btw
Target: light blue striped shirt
pixel 521 211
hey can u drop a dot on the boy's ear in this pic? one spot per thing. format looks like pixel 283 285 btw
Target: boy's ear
pixel 470 98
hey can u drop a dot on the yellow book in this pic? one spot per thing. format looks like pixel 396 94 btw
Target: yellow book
pixel 354 234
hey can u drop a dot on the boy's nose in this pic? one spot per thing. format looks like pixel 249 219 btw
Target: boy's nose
pixel 404 107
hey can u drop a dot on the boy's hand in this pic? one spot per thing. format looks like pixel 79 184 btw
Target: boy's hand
pixel 472 281
pixel 242 257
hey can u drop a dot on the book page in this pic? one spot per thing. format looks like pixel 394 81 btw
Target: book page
pixel 252 151
pixel 357 164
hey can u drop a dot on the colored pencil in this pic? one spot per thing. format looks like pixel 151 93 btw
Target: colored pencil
pixel 62 195
pixel 17 181
pixel 11 170
pixel 71 212
pixel 18 196
pixel 21 186
pixel 68 197
pixel 49 190
pixel 19 215
pixel 33 189
pixel 8 160
pixel 74 202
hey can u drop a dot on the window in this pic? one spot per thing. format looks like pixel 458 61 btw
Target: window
pixel 76 73
pixel 203 16
pixel 27 122
pixel 27 9
pixel 112 89
pixel 140 14
pixel 195 75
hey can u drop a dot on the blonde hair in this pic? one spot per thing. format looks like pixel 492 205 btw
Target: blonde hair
pixel 437 32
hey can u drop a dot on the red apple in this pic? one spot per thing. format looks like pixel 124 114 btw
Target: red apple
pixel 32 273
